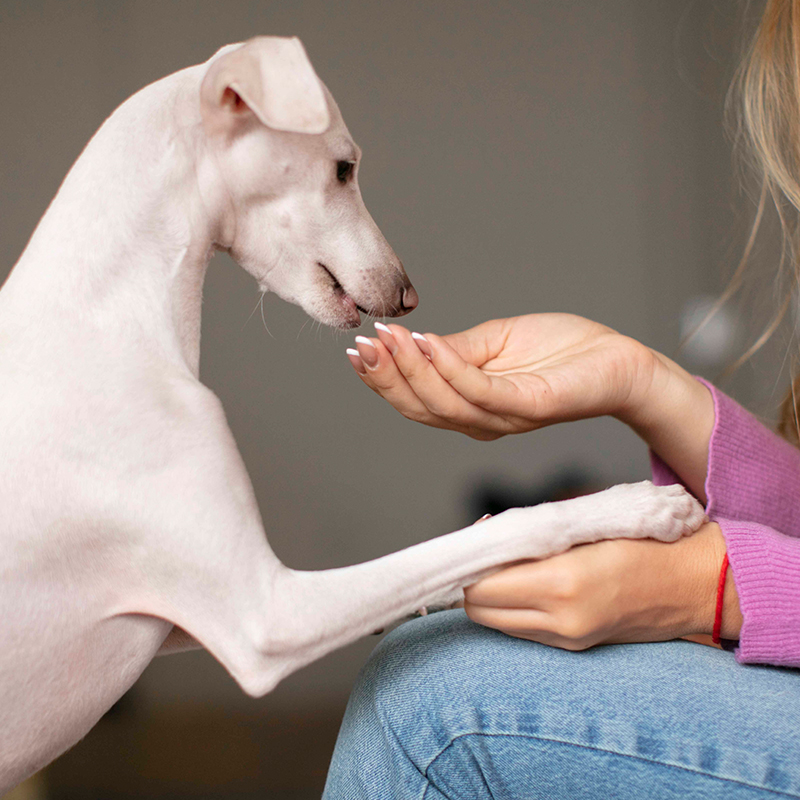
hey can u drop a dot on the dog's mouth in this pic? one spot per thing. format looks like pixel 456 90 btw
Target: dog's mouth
pixel 352 310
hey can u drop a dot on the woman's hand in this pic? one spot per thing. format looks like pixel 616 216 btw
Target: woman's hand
pixel 507 375
pixel 620 590
pixel 515 375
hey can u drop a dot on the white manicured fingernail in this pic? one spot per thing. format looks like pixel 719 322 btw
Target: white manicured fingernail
pixel 355 360
pixel 387 337
pixel 367 351
pixel 423 344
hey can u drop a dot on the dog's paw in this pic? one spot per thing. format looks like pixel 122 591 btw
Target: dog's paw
pixel 643 510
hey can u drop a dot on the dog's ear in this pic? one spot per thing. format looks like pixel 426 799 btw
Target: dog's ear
pixel 269 76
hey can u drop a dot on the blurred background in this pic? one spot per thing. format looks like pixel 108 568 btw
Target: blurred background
pixel 520 157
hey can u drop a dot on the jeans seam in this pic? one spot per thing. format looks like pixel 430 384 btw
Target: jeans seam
pixel 602 750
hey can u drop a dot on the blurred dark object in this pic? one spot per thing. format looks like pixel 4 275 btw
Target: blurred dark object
pixel 493 495
pixel 199 754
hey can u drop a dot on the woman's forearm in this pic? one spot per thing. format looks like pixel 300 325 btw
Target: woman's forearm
pixel 673 413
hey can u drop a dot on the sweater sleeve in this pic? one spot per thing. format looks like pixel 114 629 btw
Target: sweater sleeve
pixel 766 571
pixel 753 491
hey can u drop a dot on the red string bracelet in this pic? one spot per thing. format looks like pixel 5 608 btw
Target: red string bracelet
pixel 723 574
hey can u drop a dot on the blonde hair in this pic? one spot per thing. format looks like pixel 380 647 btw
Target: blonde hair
pixel 767 91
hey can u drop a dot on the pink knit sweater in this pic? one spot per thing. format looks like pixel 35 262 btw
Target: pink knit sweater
pixel 753 491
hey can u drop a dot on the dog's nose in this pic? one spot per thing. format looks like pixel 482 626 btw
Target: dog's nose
pixel 409 299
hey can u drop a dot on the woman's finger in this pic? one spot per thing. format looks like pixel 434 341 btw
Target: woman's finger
pixel 380 373
pixel 516 621
pixel 568 633
pixel 383 378
pixel 482 343
pixel 529 584
pixel 439 397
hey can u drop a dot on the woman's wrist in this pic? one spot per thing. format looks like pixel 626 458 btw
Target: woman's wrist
pixel 673 413
pixel 699 561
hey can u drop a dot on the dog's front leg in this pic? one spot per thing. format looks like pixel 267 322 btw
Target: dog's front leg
pixel 313 613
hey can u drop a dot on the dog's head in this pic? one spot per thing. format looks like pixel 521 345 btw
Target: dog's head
pixel 293 215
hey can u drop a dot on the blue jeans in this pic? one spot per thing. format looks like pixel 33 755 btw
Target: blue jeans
pixel 448 709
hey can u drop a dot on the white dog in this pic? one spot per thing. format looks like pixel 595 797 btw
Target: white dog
pixel 126 508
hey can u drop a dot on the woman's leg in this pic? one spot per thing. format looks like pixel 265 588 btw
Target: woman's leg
pixel 448 709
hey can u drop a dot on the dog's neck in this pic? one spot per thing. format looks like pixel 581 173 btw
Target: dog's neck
pixel 126 241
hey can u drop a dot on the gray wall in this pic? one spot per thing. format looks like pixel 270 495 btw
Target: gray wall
pixel 519 156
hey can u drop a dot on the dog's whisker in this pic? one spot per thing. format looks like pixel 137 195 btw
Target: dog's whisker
pixel 266 328
pixel 255 308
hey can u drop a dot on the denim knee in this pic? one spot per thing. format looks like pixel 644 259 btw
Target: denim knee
pixel 423 684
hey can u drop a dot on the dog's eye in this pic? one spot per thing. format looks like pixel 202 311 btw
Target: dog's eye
pixel 344 170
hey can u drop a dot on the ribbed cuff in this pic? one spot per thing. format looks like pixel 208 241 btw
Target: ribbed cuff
pixel 753 474
pixel 766 571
